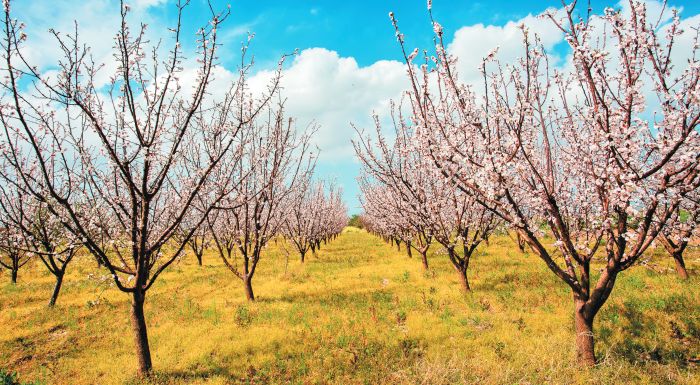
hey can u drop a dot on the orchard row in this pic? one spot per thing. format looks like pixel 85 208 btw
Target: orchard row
pixel 589 164
pixel 140 166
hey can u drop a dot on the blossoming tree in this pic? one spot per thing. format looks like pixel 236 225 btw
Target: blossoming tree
pixel 406 179
pixel 681 227
pixel 122 164
pixel 579 160
pixel 12 255
pixel 275 161
pixel 414 193
pixel 314 216
pixel 36 231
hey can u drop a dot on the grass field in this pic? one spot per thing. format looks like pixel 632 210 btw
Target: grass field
pixel 358 313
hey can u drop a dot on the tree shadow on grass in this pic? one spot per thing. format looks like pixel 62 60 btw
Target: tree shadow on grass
pixel 167 377
pixel 514 280
pixel 51 341
pixel 632 331
pixel 341 296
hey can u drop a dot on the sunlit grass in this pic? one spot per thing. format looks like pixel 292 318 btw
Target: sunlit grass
pixel 358 313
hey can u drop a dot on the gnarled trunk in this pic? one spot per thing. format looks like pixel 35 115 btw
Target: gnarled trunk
pixel 424 259
pixel 680 264
pixel 138 324
pixel 56 288
pixel 585 343
pixel 464 280
pixel 460 266
pixel 520 241
pixel 248 283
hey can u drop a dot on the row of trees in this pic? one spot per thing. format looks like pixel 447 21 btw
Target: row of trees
pixel 406 200
pixel 593 161
pixel 315 218
pixel 135 170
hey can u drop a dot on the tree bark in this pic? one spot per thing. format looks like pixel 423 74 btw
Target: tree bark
pixel 199 259
pixel 464 280
pixel 14 276
pixel 521 242
pixel 248 283
pixel 138 324
pixel 680 264
pixel 303 254
pixel 585 348
pixel 424 259
pixel 56 289
pixel 409 252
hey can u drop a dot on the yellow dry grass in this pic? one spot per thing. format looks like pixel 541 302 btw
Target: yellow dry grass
pixel 358 313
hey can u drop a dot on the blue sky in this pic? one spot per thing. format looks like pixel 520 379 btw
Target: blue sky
pixel 348 65
pixel 361 29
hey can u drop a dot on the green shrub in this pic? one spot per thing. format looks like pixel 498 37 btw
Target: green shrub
pixel 7 378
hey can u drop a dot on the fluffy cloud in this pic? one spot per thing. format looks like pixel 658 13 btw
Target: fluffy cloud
pixel 148 3
pixel 97 23
pixel 324 90
pixel 320 86
pixel 333 91
pixel 471 44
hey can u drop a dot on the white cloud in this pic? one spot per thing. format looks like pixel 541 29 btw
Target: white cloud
pixel 472 43
pixel 97 24
pixel 333 91
pixel 654 10
pixel 147 3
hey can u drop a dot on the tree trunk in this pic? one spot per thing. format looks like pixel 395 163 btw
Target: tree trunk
pixel 464 280
pixel 14 276
pixel 521 242
pixel 56 289
pixel 424 259
pixel 408 250
pixel 138 324
pixel 680 264
pixel 248 283
pixel 585 352
pixel 199 259
pixel 303 254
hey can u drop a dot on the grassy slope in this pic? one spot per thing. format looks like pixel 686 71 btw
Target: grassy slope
pixel 360 313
